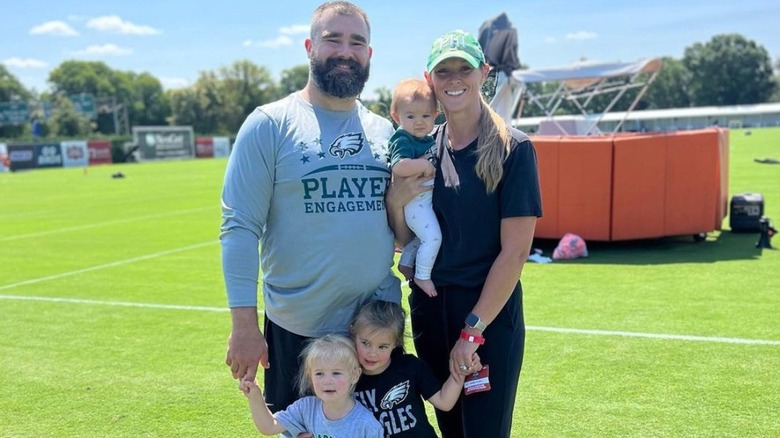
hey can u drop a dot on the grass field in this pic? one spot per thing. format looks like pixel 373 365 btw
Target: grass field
pixel 113 321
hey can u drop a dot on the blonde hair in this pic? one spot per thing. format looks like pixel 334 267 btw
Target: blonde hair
pixel 337 8
pixel 413 89
pixel 334 347
pixel 380 315
pixel 492 146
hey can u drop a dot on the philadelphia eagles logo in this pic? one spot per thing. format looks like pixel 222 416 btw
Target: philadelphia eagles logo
pixel 347 144
pixel 395 395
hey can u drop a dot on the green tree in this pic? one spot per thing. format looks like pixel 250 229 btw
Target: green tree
pixel 293 79
pixel 96 78
pixel 240 88
pixel 66 121
pixel 670 88
pixel 381 106
pixel 141 95
pixel 11 88
pixel 148 104
pixel 729 70
pixel 186 110
pixel 776 96
pixel 219 101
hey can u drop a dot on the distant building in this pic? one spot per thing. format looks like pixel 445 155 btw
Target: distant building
pixel 737 116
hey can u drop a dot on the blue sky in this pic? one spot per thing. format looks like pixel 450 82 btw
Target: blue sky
pixel 175 40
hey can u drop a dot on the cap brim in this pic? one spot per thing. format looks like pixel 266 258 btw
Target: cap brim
pixel 453 54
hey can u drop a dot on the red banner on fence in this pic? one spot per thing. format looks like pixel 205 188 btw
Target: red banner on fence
pixel 99 152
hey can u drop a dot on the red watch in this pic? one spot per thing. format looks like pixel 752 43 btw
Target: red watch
pixel 471 338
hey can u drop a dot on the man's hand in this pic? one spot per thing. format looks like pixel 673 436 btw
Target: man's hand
pixel 246 345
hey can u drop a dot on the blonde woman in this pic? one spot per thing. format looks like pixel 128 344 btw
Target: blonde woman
pixel 486 198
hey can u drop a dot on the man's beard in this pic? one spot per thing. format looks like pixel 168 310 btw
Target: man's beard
pixel 337 82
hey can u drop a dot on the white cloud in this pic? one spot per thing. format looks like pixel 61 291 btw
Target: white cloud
pixel 279 41
pixel 59 28
pixel 295 29
pixel 170 83
pixel 115 24
pixel 105 50
pixel 581 35
pixel 23 63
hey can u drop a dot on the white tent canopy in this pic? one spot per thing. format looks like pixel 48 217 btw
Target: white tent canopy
pixel 588 71
pixel 578 84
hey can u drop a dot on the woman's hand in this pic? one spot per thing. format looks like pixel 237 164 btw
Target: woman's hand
pixel 399 193
pixel 464 359
pixel 403 189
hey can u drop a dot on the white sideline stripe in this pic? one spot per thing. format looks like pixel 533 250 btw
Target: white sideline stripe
pixel 531 328
pixel 655 336
pixel 102 224
pixel 114 303
pixel 104 266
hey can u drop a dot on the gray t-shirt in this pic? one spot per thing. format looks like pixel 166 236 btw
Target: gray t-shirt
pixel 305 415
pixel 308 185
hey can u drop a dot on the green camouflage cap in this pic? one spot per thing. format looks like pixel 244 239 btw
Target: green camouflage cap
pixel 456 44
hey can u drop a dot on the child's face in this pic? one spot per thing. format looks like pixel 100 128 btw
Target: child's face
pixel 416 117
pixel 374 350
pixel 331 380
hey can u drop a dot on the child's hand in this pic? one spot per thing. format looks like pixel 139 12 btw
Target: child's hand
pixel 249 387
pixel 476 363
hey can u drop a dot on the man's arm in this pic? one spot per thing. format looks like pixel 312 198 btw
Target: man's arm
pixel 246 196
pixel 246 345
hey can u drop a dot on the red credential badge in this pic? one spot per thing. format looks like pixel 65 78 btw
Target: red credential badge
pixel 477 382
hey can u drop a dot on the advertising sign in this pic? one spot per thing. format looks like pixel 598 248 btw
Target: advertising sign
pixel 99 152
pixel 48 155
pixel 85 104
pixel 13 113
pixel 221 146
pixel 164 142
pixel 5 164
pixel 74 153
pixel 21 156
pixel 204 147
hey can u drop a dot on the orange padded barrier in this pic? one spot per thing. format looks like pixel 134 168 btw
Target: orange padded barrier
pixel 585 187
pixel 633 186
pixel 547 159
pixel 723 176
pixel 638 187
pixel 692 184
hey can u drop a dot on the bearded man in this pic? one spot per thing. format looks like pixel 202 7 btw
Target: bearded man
pixel 306 180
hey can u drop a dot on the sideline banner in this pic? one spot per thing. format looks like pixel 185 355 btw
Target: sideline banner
pixel 21 156
pixel 5 163
pixel 204 147
pixel 74 153
pixel 48 155
pixel 221 146
pixel 99 152
pixel 164 142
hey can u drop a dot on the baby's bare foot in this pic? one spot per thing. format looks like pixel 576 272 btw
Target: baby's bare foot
pixel 427 286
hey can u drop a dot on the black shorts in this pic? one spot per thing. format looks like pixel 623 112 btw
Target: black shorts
pixel 281 379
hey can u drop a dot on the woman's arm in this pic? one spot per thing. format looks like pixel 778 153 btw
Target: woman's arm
pixel 516 238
